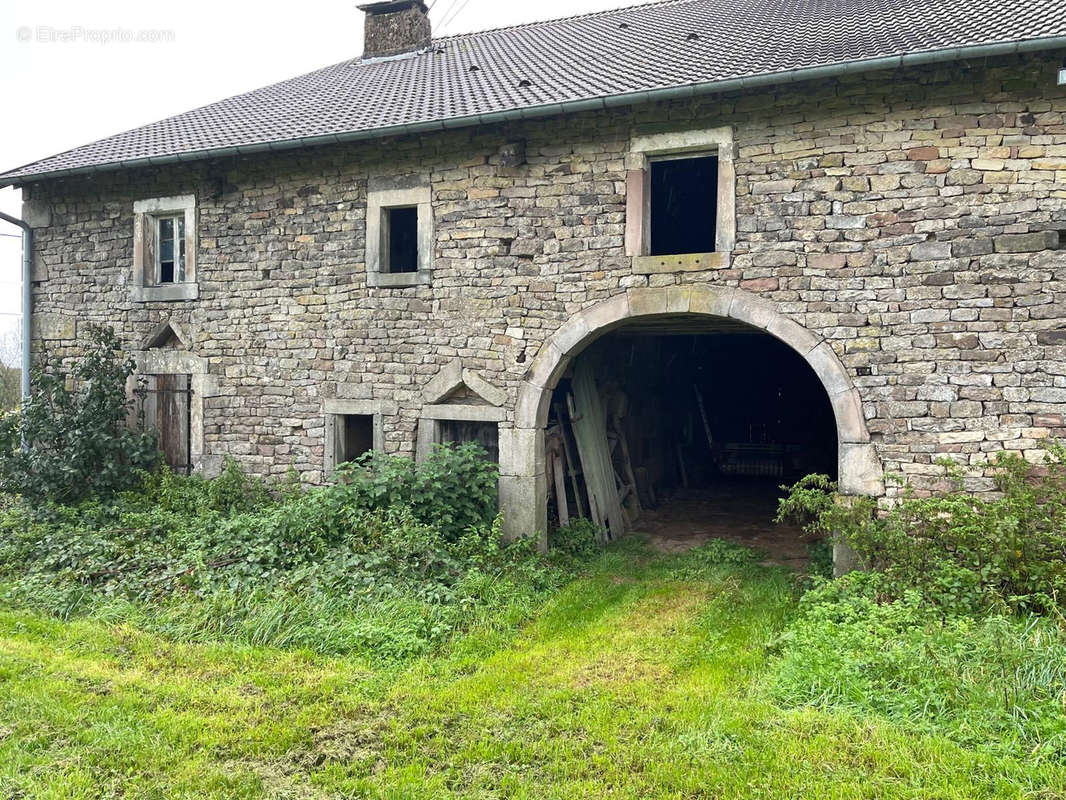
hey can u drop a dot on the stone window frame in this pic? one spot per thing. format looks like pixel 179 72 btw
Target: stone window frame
pixel 405 191
pixel 436 409
pixel 433 415
pixel 145 214
pixel 643 150
pixel 333 409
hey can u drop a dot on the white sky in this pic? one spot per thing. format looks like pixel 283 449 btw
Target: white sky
pixel 57 95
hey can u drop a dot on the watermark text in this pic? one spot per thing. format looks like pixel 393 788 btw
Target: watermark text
pixel 78 34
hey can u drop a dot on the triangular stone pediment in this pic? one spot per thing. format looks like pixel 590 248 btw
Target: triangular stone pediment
pixel 455 385
pixel 166 336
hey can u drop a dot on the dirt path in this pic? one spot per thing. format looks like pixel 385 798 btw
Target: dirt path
pixel 741 513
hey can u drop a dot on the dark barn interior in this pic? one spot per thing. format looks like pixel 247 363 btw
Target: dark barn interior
pixel 703 421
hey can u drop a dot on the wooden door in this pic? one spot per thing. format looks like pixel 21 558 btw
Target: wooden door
pixel 173 412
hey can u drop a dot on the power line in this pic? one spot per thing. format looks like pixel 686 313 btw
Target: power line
pixel 455 14
pixel 446 11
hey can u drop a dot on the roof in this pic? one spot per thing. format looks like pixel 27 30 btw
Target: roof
pixel 663 49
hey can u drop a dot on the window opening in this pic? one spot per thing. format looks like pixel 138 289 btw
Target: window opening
pixel 684 205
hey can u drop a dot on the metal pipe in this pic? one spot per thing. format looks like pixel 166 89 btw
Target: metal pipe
pixel 27 298
pixel 576 106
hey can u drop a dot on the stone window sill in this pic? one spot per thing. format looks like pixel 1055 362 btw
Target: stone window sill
pixel 165 294
pixel 398 280
pixel 687 262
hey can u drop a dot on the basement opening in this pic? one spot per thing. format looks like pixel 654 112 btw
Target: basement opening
pixel 487 434
pixel 683 205
pixel 683 431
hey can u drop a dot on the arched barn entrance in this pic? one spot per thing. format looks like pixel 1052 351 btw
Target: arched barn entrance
pixel 704 387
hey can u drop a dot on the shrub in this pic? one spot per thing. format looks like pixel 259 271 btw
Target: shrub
pixel 75 425
pixel 453 490
pixel 581 538
pixel 960 552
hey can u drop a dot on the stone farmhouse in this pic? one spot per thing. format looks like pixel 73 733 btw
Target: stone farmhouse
pixel 783 236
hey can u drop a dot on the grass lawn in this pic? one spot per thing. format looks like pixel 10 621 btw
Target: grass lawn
pixel 636 681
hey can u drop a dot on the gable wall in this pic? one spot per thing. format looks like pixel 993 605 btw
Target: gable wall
pixel 869 210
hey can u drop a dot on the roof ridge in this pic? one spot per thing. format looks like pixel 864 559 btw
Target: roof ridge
pixel 587 15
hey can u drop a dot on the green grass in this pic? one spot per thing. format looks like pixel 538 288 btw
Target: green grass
pixel 646 678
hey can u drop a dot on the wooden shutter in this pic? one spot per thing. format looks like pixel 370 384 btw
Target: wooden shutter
pixel 148 249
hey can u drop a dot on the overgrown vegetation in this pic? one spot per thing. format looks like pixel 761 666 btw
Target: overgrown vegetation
pixel 961 553
pixel 956 629
pixel 75 426
pixel 390 561
pixel 10 387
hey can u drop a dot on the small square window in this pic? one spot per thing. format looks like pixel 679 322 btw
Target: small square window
pixel 353 437
pixel 401 238
pixel 684 205
pixel 170 250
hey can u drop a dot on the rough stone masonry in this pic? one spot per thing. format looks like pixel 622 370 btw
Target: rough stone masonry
pixel 914 222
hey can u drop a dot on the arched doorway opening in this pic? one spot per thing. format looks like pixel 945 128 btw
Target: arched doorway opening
pixel 696 421
pixel 686 312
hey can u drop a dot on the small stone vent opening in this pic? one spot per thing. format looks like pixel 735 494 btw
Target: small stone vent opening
pixel 683 201
pixel 685 434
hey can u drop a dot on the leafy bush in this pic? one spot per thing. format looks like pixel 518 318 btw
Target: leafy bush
pixel 75 424
pixel 453 489
pixel 960 552
pixel 995 683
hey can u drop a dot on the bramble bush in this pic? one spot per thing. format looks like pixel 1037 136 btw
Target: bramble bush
pixel 389 562
pixel 960 552
pixel 453 489
pixel 75 424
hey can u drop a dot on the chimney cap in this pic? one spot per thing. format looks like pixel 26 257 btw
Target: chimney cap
pixel 389 6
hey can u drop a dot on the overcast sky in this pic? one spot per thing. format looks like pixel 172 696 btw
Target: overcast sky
pixel 64 85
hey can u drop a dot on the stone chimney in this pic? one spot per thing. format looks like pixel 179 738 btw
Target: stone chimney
pixel 395 27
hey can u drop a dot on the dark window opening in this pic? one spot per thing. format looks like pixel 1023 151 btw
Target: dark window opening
pixel 486 434
pixel 402 227
pixel 684 205
pixel 354 437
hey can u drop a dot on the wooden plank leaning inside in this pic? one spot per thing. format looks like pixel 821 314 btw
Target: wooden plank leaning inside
pixel 590 430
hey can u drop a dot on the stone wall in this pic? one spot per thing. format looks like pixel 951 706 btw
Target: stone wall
pixel 913 221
